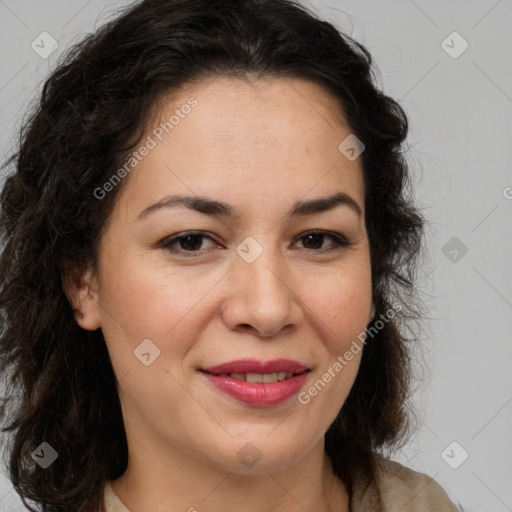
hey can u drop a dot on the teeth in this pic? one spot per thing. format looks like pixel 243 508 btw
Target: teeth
pixel 254 377
pixel 257 378
pixel 269 377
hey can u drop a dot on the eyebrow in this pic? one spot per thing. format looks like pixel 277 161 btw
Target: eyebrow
pixel 215 208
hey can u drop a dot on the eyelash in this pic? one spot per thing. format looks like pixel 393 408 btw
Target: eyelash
pixel 169 243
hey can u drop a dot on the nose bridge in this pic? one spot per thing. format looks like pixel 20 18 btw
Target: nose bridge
pixel 262 296
pixel 261 263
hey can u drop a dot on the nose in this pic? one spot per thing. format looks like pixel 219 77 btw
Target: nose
pixel 261 297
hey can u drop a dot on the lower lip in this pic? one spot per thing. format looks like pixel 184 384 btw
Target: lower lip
pixel 259 394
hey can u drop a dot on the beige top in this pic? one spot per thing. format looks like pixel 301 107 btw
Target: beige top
pixel 401 489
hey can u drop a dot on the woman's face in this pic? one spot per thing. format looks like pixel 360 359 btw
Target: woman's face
pixel 248 285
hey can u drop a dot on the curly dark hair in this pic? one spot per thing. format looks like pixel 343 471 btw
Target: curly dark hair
pixel 60 386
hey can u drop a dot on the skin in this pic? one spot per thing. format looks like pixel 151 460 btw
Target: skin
pixel 259 146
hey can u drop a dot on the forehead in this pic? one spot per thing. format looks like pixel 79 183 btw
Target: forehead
pixel 230 137
pixel 228 105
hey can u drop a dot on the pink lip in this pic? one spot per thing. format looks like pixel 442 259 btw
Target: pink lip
pixel 255 366
pixel 258 394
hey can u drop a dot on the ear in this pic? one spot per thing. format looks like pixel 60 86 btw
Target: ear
pixel 82 292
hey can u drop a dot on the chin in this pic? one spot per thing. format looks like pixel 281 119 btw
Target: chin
pixel 261 453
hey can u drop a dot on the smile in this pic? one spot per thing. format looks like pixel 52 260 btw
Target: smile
pixel 253 378
pixel 257 383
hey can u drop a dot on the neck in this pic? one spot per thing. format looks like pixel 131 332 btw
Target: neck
pixel 175 481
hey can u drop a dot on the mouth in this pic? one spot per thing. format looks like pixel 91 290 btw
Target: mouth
pixel 257 383
pixel 259 378
pixel 254 366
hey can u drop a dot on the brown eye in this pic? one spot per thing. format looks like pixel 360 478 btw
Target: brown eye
pixel 186 242
pixel 190 242
pixel 314 240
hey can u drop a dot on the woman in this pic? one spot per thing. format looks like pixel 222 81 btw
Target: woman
pixel 208 266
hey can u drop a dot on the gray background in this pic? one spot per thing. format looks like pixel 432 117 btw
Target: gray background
pixel 460 151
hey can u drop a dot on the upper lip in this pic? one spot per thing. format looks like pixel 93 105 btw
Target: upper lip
pixel 255 366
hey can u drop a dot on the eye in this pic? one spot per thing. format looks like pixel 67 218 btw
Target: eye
pixel 313 240
pixel 186 242
pixel 192 242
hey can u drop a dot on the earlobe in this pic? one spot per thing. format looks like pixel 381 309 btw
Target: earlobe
pixel 81 291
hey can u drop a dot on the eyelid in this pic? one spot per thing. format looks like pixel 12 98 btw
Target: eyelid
pixel 167 243
pixel 339 239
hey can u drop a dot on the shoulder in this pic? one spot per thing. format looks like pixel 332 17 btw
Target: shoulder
pixel 404 489
pixel 111 502
pixel 399 488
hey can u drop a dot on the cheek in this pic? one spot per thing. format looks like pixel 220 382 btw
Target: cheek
pixel 153 300
pixel 341 307
pixel 339 313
